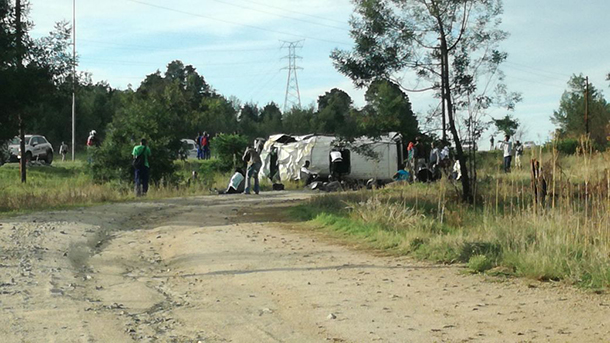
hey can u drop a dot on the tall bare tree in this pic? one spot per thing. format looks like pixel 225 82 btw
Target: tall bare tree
pixel 448 45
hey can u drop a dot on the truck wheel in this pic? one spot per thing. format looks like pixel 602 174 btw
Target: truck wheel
pixel 49 157
pixel 28 157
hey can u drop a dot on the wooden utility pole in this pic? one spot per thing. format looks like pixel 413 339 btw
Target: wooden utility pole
pixel 587 106
pixel 19 46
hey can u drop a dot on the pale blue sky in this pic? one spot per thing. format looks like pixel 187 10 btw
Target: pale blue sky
pixel 235 45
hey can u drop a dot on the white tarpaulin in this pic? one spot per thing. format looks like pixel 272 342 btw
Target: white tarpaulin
pixel 293 151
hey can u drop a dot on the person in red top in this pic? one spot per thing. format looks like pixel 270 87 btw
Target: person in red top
pixel 205 145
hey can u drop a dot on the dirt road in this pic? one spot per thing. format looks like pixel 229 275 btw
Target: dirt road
pixel 214 269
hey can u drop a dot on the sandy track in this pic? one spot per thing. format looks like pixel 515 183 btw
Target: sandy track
pixel 213 269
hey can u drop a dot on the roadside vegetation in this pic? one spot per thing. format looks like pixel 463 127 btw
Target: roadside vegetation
pixel 506 232
pixel 70 184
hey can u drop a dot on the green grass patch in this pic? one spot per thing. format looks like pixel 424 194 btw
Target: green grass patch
pixel 504 234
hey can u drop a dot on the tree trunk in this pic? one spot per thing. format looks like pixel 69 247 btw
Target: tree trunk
pixel 466 191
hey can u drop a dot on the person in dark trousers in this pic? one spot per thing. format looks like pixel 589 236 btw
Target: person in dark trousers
pixel 419 150
pixel 141 154
pixel 253 157
pixel 507 148
pixel 198 145
pixel 205 146
pixel 274 167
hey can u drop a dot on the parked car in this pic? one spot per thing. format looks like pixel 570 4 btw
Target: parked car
pixel 36 148
pixel 189 149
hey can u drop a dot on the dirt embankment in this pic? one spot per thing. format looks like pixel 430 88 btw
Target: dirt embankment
pixel 215 269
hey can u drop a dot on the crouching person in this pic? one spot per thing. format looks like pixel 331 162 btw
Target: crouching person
pixel 236 184
pixel 141 153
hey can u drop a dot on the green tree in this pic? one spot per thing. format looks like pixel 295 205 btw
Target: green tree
pixel 249 117
pixel 569 118
pixel 27 64
pixel 507 125
pixel 271 120
pixel 450 44
pixel 298 121
pixel 139 118
pixel 230 148
pixel 217 116
pixel 333 112
pixel 388 109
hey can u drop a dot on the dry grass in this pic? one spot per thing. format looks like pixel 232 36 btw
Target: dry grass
pixel 566 238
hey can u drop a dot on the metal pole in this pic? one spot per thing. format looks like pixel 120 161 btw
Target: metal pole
pixel 73 76
pixel 19 32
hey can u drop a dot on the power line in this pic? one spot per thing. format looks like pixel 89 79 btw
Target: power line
pixel 128 63
pixel 282 16
pixel 149 48
pixel 238 24
pixel 295 12
pixel 537 69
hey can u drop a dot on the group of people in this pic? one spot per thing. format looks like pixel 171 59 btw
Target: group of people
pixel 423 166
pixel 203 146
pixel 254 163
pixel 508 151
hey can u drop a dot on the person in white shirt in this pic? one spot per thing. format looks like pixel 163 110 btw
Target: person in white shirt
pixel 235 183
pixel 445 153
pixel 507 147
pixel 336 160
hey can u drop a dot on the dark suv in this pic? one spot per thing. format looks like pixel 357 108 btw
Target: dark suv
pixel 36 148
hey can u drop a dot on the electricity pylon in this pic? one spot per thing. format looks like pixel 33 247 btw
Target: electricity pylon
pixel 293 96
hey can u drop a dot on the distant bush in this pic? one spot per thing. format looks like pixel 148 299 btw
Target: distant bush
pixel 567 146
pixel 138 119
pixel 230 148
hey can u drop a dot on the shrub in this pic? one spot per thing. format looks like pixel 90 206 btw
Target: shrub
pixel 470 249
pixel 138 119
pixel 480 263
pixel 230 148
pixel 567 146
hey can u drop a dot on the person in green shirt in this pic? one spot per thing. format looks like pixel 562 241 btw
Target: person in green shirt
pixel 141 153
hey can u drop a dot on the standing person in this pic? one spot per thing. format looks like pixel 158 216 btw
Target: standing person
pixel 435 156
pixel 63 150
pixel 141 153
pixel 199 147
pixel 518 154
pixel 253 157
pixel 92 143
pixel 410 157
pixel 336 161
pixel 507 147
pixel 274 167
pixel 491 142
pixel 205 145
pixel 435 160
pixel 93 140
pixel 420 156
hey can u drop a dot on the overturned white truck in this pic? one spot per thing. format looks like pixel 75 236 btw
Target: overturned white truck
pixel 293 151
